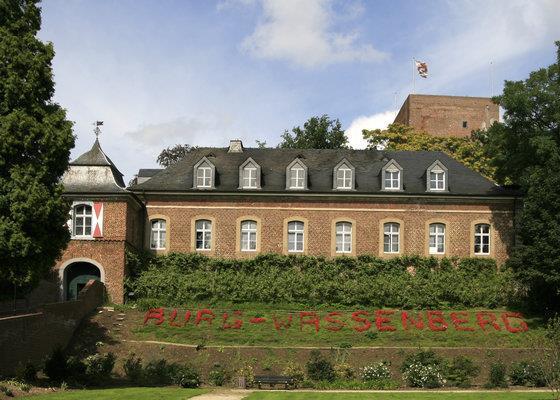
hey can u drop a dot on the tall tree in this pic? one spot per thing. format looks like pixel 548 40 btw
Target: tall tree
pixel 35 143
pixel 468 150
pixel 317 133
pixel 171 155
pixel 525 150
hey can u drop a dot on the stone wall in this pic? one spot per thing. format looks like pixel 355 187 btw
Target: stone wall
pixel 31 337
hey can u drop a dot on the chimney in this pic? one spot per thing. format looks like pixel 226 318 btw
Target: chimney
pixel 235 146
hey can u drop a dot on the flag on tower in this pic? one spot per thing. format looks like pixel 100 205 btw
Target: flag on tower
pixel 422 68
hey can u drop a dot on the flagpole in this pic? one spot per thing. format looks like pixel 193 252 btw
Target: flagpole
pixel 413 75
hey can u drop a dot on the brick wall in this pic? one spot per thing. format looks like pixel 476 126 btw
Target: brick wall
pixel 444 115
pixel 368 216
pixel 31 337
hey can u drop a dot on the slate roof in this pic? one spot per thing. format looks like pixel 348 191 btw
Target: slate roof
pixel 148 172
pixel 320 163
pixel 95 157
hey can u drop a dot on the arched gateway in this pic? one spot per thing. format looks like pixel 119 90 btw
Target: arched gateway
pixel 76 273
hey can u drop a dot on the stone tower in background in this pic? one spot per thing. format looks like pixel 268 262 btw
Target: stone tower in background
pixel 447 115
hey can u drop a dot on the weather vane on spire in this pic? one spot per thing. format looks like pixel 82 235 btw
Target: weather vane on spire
pixel 96 130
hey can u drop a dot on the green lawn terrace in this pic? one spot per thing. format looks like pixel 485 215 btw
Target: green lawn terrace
pixel 256 325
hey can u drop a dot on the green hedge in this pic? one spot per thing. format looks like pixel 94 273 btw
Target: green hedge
pixel 178 279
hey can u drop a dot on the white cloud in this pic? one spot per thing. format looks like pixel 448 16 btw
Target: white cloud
pixel 487 31
pixel 303 33
pixel 375 121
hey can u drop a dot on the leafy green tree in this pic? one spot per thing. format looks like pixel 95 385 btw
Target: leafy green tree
pixel 467 150
pixel 171 155
pixel 317 133
pixel 525 150
pixel 35 143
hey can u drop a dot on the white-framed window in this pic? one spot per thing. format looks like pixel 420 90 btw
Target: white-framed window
pixel 343 237
pixel 157 234
pixel 392 179
pixel 391 237
pixel 297 177
pixel 482 239
pixel 437 239
pixel 249 177
pixel 203 239
pixel 82 221
pixel 295 236
pixel 248 235
pixel 344 177
pixel 437 178
pixel 204 176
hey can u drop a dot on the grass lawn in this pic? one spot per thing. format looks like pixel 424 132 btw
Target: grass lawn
pixel 265 333
pixel 134 393
pixel 399 396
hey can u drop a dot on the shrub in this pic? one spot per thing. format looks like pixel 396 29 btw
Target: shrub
pixel 423 369
pixel 376 372
pixel 248 373
pixel 460 372
pixel 56 366
pixel 7 391
pixel 158 373
pixel 318 368
pixel 295 371
pixel 186 377
pixel 526 373
pixel 218 375
pixel 98 367
pixel 27 372
pixel 133 368
pixel 177 279
pixel 354 384
pixel 344 371
pixel 497 376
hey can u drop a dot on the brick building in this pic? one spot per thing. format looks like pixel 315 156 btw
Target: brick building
pixel 447 115
pixel 237 202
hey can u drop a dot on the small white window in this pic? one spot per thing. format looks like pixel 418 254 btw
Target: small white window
pixel 297 177
pixel 203 234
pixel 82 221
pixel 392 178
pixel 343 237
pixel 248 236
pixel 204 176
pixel 250 176
pixel 391 233
pixel 295 237
pixel 482 239
pixel 158 233
pixel 437 178
pixel 344 177
pixel 437 238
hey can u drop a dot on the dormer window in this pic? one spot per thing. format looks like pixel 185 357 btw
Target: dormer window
pixel 204 173
pixel 343 176
pixel 437 179
pixel 391 174
pixel 249 175
pixel 296 175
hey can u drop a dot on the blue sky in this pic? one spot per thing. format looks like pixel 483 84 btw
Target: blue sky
pixel 203 72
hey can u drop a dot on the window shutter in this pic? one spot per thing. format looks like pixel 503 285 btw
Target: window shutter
pixel 97 220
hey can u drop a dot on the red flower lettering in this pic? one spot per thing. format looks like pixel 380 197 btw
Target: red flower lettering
pixel 380 320
pixel 309 318
pixel 336 323
pixel 459 318
pixel 406 318
pixel 154 313
pixel 204 315
pixel 436 321
pixel 484 318
pixel 366 322
pixel 522 324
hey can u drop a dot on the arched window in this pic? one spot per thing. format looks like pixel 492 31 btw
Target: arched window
pixel 482 239
pixel 437 239
pixel 82 220
pixel 343 237
pixel 344 177
pixel 157 234
pixel 248 235
pixel 391 237
pixel 295 236
pixel 203 234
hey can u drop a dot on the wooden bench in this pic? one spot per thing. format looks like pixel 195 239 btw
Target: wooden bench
pixel 273 380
